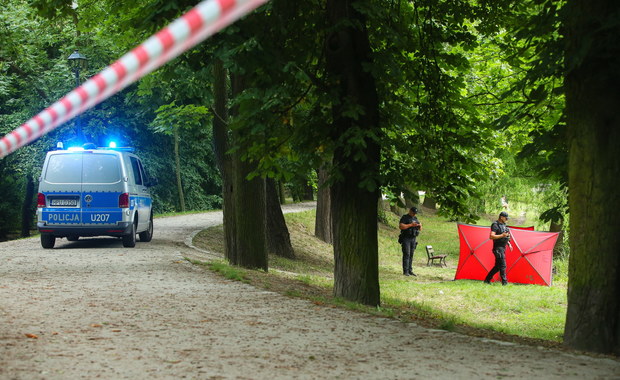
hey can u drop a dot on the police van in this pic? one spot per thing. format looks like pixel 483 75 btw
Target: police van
pixel 94 191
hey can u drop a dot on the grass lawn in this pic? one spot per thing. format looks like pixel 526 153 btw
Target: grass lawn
pixel 527 313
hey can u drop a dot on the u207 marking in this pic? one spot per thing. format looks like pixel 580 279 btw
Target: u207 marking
pixel 99 217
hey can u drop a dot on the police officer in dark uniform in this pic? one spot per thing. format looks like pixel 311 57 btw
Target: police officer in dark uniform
pixel 410 228
pixel 500 234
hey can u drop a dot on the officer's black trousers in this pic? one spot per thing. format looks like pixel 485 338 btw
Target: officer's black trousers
pixel 408 246
pixel 500 265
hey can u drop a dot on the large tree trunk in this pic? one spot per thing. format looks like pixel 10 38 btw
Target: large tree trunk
pixel 557 226
pixel 323 220
pixel 250 221
pixel 354 199
pixel 278 237
pixel 592 98
pixel 224 163
pixel 250 206
pixel 308 192
pixel 27 212
pixel 177 165
pixel 281 192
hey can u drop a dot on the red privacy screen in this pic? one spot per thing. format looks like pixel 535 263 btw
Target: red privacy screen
pixel 529 257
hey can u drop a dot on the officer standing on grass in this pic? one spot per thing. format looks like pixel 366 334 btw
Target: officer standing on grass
pixel 410 228
pixel 500 234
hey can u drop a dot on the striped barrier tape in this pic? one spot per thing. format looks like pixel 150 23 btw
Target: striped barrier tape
pixel 202 21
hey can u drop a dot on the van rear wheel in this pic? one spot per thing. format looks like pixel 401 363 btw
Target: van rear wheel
pixel 129 240
pixel 47 241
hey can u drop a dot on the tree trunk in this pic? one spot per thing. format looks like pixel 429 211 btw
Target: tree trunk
pixel 177 163
pixel 250 221
pixel 221 146
pixel 429 202
pixel 250 206
pixel 592 97
pixel 278 237
pixel 354 215
pixel 27 213
pixel 323 220
pixel 308 192
pixel 281 193
pixel 354 207
pixel 557 226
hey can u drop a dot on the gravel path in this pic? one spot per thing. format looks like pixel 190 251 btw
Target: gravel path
pixel 93 309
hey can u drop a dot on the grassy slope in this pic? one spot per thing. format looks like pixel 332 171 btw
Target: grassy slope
pixel 526 313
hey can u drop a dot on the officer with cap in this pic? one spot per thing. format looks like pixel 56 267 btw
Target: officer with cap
pixel 410 228
pixel 500 234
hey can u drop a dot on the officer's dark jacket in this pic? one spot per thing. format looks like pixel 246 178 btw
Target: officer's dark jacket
pixel 411 231
pixel 499 228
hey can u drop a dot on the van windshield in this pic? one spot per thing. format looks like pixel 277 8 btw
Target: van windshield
pixel 83 168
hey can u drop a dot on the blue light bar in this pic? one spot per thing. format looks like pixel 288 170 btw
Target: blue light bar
pixel 119 148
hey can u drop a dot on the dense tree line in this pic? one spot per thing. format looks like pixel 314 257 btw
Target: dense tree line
pixel 462 99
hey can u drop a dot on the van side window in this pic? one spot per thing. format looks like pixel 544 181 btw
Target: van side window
pixel 145 177
pixel 137 175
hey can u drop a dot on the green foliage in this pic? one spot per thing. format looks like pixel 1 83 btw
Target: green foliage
pixel 532 200
pixel 170 117
pixel 463 87
pixel 10 187
pixel 34 72
pixel 54 8
pixel 530 105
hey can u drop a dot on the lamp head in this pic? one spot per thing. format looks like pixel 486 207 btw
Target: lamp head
pixel 77 60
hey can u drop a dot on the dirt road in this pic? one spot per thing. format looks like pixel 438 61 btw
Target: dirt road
pixel 93 309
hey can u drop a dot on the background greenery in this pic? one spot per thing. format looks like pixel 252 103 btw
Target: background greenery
pixel 468 89
pixel 433 297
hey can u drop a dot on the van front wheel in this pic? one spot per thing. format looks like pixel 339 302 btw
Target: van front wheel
pixel 47 241
pixel 129 240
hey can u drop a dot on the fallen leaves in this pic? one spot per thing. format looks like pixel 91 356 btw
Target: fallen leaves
pixel 31 336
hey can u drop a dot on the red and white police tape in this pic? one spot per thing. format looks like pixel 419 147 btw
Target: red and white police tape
pixel 204 20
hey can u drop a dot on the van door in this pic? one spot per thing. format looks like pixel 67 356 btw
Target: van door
pixel 140 194
pixel 102 185
pixel 61 183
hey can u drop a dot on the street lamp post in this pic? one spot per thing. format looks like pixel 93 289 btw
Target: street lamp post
pixel 77 61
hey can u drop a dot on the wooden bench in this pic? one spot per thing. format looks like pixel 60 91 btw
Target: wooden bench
pixel 430 253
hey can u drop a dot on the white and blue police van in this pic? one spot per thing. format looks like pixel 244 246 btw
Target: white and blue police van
pixel 91 191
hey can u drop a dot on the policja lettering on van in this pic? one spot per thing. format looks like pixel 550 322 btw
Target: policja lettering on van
pixel 69 218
